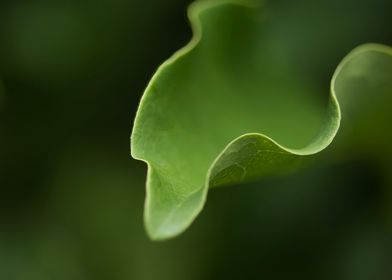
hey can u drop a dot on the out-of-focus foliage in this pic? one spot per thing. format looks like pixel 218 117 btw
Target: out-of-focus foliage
pixel 72 199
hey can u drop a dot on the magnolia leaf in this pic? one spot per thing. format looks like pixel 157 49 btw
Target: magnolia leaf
pixel 229 108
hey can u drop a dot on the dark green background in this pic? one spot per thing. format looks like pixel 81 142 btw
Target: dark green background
pixel 72 198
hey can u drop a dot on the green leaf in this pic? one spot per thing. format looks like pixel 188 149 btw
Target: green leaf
pixel 228 108
pixel 364 88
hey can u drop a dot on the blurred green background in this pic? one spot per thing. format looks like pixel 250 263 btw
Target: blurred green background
pixel 72 198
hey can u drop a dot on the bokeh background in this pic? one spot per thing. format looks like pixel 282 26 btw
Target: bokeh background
pixel 72 73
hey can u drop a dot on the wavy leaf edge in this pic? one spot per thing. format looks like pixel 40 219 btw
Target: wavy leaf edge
pixel 325 137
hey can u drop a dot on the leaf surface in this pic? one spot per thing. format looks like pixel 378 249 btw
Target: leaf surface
pixel 223 110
